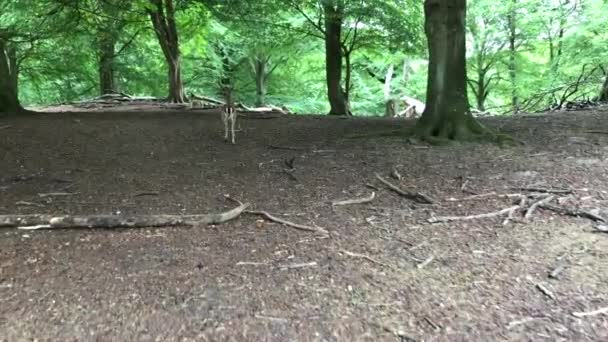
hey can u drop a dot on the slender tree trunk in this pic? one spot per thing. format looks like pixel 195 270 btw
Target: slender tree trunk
pixel 512 56
pixel 9 80
pixel 334 11
pixel 447 114
pixel 348 68
pixel 259 65
pixel 107 52
pixel 390 103
pixel 165 27
pixel 604 93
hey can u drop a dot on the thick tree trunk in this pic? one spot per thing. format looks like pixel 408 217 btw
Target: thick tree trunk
pixel 9 76
pixel 165 27
pixel 333 57
pixel 512 54
pixel 447 114
pixel 107 46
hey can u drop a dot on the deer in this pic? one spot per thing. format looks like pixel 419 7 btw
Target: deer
pixel 229 115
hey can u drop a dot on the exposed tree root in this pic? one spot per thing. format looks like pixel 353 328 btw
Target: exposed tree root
pixel 436 131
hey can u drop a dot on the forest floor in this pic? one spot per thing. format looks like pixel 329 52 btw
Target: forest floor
pixel 384 272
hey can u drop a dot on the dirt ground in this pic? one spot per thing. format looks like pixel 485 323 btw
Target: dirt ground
pixel 384 273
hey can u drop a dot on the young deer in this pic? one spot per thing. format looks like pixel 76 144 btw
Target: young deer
pixel 229 115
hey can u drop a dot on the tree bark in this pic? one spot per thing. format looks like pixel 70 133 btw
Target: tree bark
pixel 9 80
pixel 165 27
pixel 107 45
pixel 334 12
pixel 447 114
pixel 512 55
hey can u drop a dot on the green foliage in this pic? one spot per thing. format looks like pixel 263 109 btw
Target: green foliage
pixel 57 44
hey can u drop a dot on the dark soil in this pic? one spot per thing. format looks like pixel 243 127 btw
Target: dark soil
pixel 259 281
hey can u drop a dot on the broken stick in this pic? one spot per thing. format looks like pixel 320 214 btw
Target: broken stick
pixel 355 201
pixel 35 222
pixel 418 197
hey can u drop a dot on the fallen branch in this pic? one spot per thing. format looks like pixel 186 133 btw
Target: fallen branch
pixel 5 127
pixel 602 311
pixel 446 219
pixel 275 219
pixel 573 212
pixel 34 222
pixel 601 228
pixel 207 99
pixel 365 257
pixel 547 190
pixel 537 204
pixel 418 197
pixel 355 201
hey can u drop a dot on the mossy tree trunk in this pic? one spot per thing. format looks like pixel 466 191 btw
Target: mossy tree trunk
pixel 447 114
pixel 9 74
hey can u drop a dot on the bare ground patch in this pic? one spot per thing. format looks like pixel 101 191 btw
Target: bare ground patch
pixel 383 273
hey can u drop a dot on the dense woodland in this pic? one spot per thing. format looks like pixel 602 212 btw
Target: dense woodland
pixel 338 57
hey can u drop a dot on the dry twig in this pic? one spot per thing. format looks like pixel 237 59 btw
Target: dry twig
pixel 602 311
pixel 57 194
pixel 426 262
pixel 365 257
pixel 418 197
pixel 545 291
pixel 446 219
pixel 301 265
pixel 275 219
pixel 355 201
pixel 547 190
